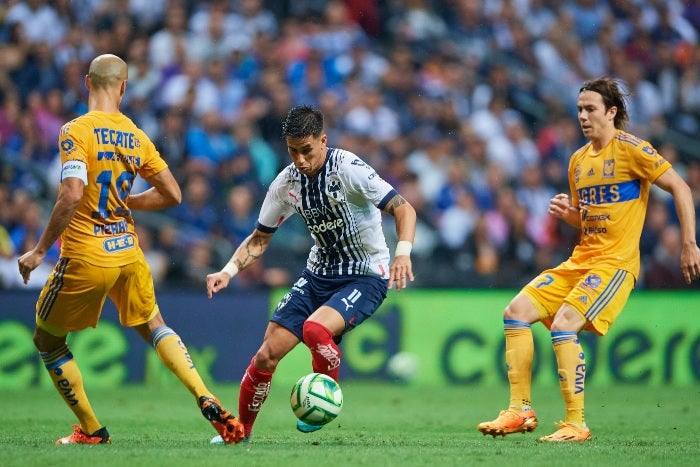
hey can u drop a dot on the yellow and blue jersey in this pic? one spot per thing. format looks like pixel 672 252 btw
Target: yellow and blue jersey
pixel 107 151
pixel 611 190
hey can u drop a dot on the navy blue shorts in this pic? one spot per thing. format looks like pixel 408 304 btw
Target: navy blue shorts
pixel 356 298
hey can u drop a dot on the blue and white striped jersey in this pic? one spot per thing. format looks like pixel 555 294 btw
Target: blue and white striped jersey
pixel 341 208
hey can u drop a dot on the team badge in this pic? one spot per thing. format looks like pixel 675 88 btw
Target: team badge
pixel 334 189
pixel 609 168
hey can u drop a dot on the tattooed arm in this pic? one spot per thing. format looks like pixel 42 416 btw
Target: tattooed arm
pixel 405 218
pixel 246 254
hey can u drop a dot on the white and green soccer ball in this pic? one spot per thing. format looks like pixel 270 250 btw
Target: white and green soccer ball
pixel 316 399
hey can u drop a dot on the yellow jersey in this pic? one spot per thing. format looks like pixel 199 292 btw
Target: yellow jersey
pixel 107 151
pixel 611 190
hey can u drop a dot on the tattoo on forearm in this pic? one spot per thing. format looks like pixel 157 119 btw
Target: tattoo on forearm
pixel 395 202
pixel 253 248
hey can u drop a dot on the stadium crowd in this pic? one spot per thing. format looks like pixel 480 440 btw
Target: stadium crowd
pixel 468 107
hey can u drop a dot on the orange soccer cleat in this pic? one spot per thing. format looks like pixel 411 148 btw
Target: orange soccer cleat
pixel 228 426
pixel 510 421
pixel 568 432
pixel 80 437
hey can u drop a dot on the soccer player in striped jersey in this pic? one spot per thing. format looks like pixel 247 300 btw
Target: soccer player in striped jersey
pixel 348 271
pixel 609 180
pixel 102 152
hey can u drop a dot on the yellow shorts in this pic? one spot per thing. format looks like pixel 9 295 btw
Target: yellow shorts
pixel 597 293
pixel 75 292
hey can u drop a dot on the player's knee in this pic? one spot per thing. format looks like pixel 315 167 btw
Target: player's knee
pixel 520 310
pixel 45 342
pixel 265 360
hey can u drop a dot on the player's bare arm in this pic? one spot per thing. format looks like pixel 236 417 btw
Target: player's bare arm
pixel 560 207
pixel 69 197
pixel 248 252
pixel 401 268
pixel 671 182
pixel 164 193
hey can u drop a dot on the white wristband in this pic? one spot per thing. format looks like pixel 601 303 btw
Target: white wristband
pixel 403 248
pixel 231 269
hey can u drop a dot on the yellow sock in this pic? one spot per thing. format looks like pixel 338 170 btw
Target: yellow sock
pixel 177 359
pixel 68 381
pixel 520 350
pixel 571 364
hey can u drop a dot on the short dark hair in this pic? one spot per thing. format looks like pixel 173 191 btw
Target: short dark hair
pixel 303 121
pixel 612 97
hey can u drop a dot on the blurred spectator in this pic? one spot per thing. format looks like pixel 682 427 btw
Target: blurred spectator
pixel 190 89
pixel 241 214
pixel 39 21
pixel 457 222
pixel 372 117
pixel 264 160
pixel 171 142
pixel 196 214
pixel 468 106
pixel 167 47
pixel 209 144
pixel 664 269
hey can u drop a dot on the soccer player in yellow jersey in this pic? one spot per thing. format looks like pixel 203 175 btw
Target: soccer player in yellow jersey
pixel 609 179
pixel 101 154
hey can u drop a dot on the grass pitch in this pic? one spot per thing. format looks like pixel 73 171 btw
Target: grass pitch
pixel 380 425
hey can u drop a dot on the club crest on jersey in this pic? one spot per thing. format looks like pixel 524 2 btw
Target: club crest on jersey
pixel 334 189
pixel 577 173
pixel 609 168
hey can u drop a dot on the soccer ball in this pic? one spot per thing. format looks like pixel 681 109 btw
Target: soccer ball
pixel 316 399
pixel 403 366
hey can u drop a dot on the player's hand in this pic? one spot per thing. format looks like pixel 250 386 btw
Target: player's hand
pixel 217 281
pixel 559 205
pixel 690 263
pixel 29 262
pixel 401 271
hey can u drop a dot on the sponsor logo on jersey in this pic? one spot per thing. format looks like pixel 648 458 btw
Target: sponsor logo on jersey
pixel 67 145
pixel 593 280
pixel 124 242
pixel 327 226
pixel 612 193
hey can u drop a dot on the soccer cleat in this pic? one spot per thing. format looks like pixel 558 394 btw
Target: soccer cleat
pixel 568 432
pixel 306 428
pixel 228 426
pixel 510 421
pixel 80 437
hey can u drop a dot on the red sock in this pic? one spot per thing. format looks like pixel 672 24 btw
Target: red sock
pixel 325 354
pixel 255 387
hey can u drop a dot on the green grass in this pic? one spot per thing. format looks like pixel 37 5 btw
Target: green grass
pixel 381 425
